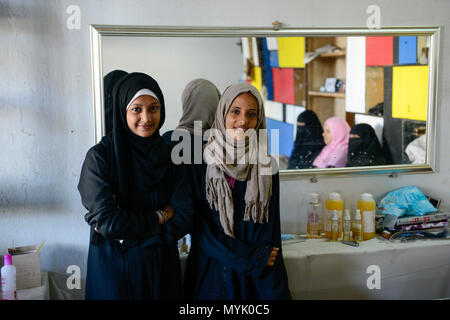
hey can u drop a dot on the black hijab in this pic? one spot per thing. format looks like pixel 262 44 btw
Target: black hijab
pixel 108 83
pixel 140 163
pixel 308 141
pixel 365 150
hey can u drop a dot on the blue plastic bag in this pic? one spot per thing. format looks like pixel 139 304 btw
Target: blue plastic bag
pixel 404 201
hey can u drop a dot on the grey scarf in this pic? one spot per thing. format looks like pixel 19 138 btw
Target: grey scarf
pixel 258 174
pixel 200 99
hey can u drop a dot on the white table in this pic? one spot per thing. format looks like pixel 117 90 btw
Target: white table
pixel 319 269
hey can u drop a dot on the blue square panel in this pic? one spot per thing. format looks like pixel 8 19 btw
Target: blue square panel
pixel 273 58
pixel 285 137
pixel 407 50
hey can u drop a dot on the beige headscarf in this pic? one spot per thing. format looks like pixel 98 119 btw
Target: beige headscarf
pixel 257 174
pixel 199 99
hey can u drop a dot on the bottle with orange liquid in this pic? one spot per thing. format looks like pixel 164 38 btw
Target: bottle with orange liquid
pixel 357 227
pixel 334 202
pixel 366 205
pixel 334 226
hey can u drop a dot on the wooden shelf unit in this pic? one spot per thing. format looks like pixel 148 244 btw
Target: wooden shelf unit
pixel 327 65
pixel 334 54
pixel 327 94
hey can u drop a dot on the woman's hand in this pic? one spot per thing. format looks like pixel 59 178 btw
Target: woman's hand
pixel 272 257
pixel 170 212
pixel 167 215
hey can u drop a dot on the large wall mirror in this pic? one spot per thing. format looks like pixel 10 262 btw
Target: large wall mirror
pixel 366 96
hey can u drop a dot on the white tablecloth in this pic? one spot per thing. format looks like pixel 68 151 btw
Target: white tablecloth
pixel 319 269
pixel 38 293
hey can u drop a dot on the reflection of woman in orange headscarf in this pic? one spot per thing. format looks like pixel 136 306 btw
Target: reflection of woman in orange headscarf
pixel 336 136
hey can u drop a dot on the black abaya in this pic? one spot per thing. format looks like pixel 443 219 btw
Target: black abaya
pixel 124 179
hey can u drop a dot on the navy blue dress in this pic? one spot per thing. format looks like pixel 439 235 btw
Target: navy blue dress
pixel 146 264
pixel 222 268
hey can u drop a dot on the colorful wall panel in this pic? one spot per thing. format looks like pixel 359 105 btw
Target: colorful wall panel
pixel 410 92
pixel 291 52
pixel 379 51
pixel 273 110
pixel 267 70
pixel 273 59
pixel 355 95
pixel 272 43
pixel 283 85
pixel 257 78
pixel 407 50
pixel 255 52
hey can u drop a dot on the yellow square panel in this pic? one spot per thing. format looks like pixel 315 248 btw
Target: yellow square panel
pixel 291 51
pixel 410 92
pixel 257 79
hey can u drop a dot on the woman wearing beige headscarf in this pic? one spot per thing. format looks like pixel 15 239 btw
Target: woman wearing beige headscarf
pixel 199 101
pixel 236 244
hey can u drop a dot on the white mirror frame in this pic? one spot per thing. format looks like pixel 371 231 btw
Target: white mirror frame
pixel 97 32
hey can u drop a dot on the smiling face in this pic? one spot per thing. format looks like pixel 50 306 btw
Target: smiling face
pixel 143 116
pixel 327 135
pixel 242 115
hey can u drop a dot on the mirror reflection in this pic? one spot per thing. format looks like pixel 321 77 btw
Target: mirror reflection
pixel 335 101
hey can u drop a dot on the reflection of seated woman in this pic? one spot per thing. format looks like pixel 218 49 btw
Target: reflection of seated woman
pixel 416 150
pixel 308 142
pixel 335 135
pixel 364 149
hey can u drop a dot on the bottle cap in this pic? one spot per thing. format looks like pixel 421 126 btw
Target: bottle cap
pixel 366 197
pixel 314 197
pixel 334 196
pixel 358 214
pixel 7 260
pixel 347 214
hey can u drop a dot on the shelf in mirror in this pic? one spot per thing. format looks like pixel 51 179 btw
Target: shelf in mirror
pixel 327 94
pixel 334 54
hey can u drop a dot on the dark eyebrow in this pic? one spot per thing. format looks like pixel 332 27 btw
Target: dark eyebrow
pixel 251 109
pixel 140 104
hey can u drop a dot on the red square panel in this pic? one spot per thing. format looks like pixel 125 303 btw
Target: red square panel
pixel 283 85
pixel 379 51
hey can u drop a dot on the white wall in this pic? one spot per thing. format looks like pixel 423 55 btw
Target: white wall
pixel 46 108
pixel 173 62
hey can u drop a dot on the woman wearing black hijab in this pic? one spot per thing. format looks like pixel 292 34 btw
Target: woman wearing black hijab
pixel 139 203
pixel 308 142
pixel 108 83
pixel 364 148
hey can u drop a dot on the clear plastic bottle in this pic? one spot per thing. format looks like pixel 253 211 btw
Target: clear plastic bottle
pixel 334 226
pixel 357 227
pixel 334 202
pixel 347 225
pixel 314 214
pixel 8 273
pixel 366 205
